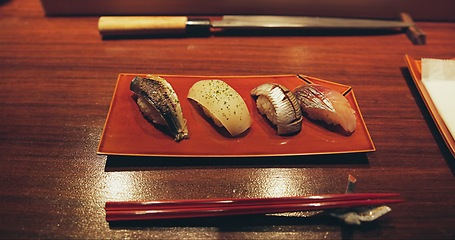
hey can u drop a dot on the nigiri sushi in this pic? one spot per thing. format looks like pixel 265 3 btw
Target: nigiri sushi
pixel 280 106
pixel 328 105
pixel 222 104
pixel 159 103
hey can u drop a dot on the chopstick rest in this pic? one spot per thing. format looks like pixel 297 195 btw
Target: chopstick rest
pixel 414 33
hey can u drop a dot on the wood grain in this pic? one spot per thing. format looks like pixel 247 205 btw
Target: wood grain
pixel 57 77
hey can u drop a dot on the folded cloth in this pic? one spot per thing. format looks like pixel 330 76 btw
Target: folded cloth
pixel 438 77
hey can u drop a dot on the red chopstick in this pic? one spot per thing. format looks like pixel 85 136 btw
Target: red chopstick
pixel 154 210
pixel 144 205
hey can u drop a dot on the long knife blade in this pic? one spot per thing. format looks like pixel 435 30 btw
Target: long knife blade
pixel 109 26
pixel 252 21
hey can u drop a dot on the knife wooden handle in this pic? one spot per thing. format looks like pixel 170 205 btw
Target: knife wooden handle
pixel 138 25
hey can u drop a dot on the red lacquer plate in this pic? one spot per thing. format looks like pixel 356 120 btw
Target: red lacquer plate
pixel 416 72
pixel 127 133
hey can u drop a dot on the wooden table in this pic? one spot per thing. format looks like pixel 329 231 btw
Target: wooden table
pixel 57 77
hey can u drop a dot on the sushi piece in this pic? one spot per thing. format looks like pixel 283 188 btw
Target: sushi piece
pixel 159 103
pixel 280 106
pixel 328 105
pixel 222 104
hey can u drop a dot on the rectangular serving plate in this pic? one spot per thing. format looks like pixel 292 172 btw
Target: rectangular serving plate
pixel 126 132
pixel 415 69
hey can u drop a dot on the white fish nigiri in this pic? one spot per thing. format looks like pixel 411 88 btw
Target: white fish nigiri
pixel 280 106
pixel 222 104
pixel 328 105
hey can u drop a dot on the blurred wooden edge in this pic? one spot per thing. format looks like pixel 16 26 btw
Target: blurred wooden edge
pixel 422 10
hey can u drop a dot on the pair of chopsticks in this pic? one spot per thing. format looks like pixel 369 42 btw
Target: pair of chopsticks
pixel 178 209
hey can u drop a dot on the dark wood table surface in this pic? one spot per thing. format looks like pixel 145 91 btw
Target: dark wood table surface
pixel 57 78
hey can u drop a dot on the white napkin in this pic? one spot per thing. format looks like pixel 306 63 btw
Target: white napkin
pixel 438 77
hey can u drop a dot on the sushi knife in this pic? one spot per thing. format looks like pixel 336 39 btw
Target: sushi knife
pixel 165 25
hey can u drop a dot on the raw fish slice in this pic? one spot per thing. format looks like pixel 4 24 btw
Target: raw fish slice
pixel 328 105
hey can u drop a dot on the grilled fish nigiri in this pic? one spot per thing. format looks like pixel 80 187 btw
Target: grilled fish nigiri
pixel 328 105
pixel 280 106
pixel 159 103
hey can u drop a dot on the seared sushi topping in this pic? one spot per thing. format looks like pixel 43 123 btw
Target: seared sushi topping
pixel 314 98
